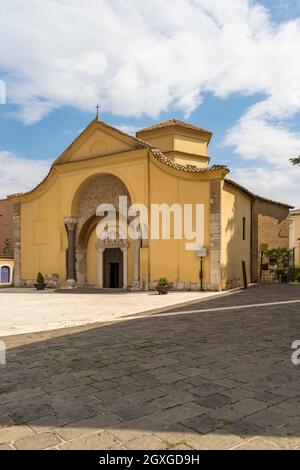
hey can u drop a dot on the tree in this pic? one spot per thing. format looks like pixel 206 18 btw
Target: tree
pixel 295 161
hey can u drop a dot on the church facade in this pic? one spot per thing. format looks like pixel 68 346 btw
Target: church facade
pixel 55 224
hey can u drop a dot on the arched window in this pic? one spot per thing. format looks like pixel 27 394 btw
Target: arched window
pixel 5 275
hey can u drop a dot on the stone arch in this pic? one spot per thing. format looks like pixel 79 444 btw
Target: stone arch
pixel 102 188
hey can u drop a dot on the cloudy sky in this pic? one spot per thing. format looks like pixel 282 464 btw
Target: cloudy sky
pixel 229 66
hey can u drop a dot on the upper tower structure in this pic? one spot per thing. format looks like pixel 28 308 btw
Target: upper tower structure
pixel 181 142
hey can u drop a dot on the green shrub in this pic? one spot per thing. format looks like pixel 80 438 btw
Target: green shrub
pixel 163 281
pixel 297 277
pixel 40 279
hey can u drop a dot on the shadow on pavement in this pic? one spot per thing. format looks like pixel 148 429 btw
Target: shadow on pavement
pixel 180 379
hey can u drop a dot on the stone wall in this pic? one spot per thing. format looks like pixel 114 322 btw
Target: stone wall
pixel 6 228
pixel 17 243
pixel 215 235
pixel 270 225
pixel 102 189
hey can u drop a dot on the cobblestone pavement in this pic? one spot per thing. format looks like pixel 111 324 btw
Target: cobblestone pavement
pixel 217 379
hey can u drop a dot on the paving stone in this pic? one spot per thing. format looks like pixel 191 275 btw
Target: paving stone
pixel 45 423
pixel 217 440
pixel 6 447
pixel 92 442
pixel 214 401
pixel 267 419
pixel 244 428
pixel 193 369
pixel 131 430
pixel 238 393
pixel 71 415
pixel 145 442
pixel 284 442
pixel 203 423
pixel 37 442
pixel 207 388
pixel 23 415
pixel 270 397
pixel 178 413
pixel 173 399
pixel 87 426
pixel 257 443
pixel 131 412
pixel 20 395
pixel 5 422
pixel 247 406
pixel 146 395
pixel 13 433
pixel 170 378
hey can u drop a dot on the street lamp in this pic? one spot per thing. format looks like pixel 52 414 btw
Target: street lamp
pixel 201 252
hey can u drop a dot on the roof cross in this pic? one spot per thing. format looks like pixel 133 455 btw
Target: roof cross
pixel 97 115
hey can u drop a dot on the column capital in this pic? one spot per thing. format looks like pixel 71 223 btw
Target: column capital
pixel 71 222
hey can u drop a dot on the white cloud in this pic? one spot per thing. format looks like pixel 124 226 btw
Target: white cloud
pixel 20 174
pixel 270 182
pixel 147 57
pixel 258 139
pixel 143 57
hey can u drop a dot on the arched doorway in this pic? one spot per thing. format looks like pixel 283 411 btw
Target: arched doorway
pixel 113 268
pixel 92 265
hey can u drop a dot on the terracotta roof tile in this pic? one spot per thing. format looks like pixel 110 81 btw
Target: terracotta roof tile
pixel 177 166
pixel 174 122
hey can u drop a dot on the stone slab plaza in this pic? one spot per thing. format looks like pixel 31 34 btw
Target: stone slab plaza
pixel 215 375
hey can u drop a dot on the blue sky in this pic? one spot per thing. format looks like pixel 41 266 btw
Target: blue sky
pixel 233 70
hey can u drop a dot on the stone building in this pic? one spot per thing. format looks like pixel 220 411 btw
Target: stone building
pixel 55 224
pixel 6 242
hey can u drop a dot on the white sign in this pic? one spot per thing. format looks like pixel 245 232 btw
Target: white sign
pixel 202 252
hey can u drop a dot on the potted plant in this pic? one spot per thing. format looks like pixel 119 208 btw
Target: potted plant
pixel 163 285
pixel 40 282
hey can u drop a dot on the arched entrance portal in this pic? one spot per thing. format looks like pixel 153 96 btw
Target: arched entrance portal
pixel 113 268
pixel 92 265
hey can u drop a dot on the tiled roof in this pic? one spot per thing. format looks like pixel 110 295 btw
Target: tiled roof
pixel 166 161
pixel 174 122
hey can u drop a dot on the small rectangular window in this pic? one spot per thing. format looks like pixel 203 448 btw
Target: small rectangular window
pixel 244 228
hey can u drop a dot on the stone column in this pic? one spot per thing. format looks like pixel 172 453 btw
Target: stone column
pixel 125 257
pixel 137 264
pixel 100 250
pixel 17 243
pixel 215 235
pixel 71 223
pixel 81 254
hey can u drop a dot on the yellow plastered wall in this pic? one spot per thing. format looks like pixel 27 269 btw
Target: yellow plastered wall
pixel 10 263
pixel 99 143
pixel 169 258
pixel 163 141
pixel 234 206
pixel 189 144
pixel 198 161
pixel 43 234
